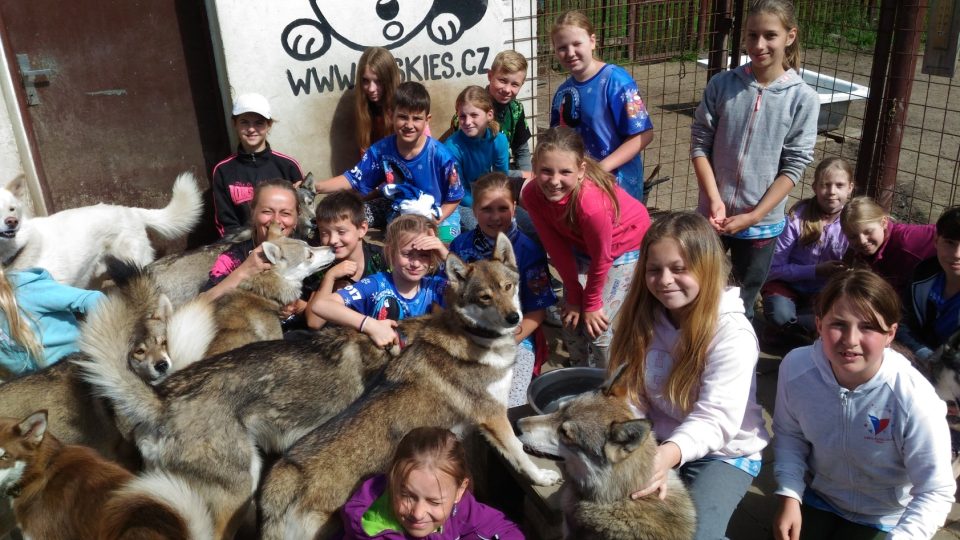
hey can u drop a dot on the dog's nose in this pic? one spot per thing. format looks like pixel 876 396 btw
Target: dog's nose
pixel 11 222
pixel 162 366
pixel 513 318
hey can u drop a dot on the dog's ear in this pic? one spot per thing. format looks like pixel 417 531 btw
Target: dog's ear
pixel 272 252
pixel 164 308
pixel 17 186
pixel 309 183
pixel 503 251
pixel 121 271
pixel 33 427
pixel 457 270
pixel 609 386
pixel 628 436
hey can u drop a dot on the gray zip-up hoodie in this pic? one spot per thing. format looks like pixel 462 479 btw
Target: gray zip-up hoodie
pixel 879 454
pixel 753 134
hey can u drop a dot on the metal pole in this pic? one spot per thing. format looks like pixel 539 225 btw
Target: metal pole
pixel 903 66
pixel 871 119
pixel 720 28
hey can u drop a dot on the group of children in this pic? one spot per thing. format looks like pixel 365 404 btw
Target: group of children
pixel 861 439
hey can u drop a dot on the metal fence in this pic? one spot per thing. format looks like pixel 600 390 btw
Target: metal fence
pixel 904 140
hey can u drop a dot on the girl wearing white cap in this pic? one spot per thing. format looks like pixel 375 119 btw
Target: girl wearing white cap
pixel 235 177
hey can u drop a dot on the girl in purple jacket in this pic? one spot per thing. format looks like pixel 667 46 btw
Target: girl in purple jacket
pixel 424 495
pixel 809 250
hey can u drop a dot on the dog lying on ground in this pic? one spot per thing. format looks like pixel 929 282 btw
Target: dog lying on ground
pixel 457 372
pixel 180 276
pixel 250 312
pixel 71 244
pixel 207 421
pixel 608 454
pixel 68 491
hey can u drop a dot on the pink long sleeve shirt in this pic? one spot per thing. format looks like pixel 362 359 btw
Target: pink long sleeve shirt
pixel 598 234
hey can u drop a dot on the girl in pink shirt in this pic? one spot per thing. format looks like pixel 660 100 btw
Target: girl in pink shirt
pixel 591 230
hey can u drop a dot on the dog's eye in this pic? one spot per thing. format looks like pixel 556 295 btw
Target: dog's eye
pixel 508 286
pixel 140 352
pixel 485 298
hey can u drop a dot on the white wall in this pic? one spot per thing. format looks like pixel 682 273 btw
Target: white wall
pixel 306 90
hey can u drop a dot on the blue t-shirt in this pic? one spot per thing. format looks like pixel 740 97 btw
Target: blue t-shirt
pixel 535 290
pixel 377 297
pixel 432 171
pixel 605 110
pixel 476 157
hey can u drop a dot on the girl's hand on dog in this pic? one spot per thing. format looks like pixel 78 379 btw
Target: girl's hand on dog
pixel 254 263
pixel 595 322
pixel 668 457
pixel 381 332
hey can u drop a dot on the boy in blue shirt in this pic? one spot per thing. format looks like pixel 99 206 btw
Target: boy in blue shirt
pixel 410 167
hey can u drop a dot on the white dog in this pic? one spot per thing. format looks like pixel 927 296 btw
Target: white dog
pixel 71 244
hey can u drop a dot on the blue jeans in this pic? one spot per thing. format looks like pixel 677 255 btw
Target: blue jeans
pixel 716 488
pixel 751 263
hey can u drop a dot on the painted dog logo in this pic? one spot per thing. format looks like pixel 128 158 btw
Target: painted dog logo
pixel 379 23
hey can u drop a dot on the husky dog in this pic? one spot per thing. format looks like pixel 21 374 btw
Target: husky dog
pixel 180 276
pixel 607 455
pixel 71 244
pixel 456 373
pixel 206 422
pixel 67 491
pixel 250 312
pixel 943 369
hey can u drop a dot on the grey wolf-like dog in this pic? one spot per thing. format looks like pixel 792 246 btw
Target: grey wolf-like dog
pixel 608 453
pixel 456 373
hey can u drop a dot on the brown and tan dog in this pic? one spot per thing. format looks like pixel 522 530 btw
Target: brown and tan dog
pixel 70 492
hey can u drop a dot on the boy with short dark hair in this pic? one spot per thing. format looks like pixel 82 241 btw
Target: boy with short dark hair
pixel 342 225
pixel 410 167
pixel 932 302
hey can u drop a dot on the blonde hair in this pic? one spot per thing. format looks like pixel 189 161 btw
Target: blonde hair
pixel 564 139
pixel 859 211
pixel 509 62
pixel 812 225
pixel 706 261
pixel 479 98
pixel 572 18
pixel 784 10
pixel 403 229
pixel 18 321
pixel 384 66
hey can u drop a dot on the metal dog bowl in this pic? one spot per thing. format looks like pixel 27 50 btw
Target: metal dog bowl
pixel 548 391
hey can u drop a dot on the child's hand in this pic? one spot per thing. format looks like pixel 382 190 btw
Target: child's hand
pixel 343 269
pixel 668 456
pixel 718 215
pixel 570 315
pixel 381 332
pixel 735 224
pixel 428 242
pixel 786 524
pixel 829 268
pixel 595 322
pixel 293 308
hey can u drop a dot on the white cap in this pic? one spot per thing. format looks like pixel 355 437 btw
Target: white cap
pixel 254 103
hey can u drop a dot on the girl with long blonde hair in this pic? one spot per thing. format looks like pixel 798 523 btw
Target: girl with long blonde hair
pixel 37 322
pixel 689 356
pixel 378 77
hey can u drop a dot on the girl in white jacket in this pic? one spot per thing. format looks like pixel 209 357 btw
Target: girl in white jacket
pixel 861 437
pixel 691 357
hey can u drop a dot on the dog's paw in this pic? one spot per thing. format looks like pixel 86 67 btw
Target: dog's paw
pixel 545 477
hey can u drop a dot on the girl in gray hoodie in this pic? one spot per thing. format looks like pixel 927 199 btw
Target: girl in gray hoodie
pixel 752 137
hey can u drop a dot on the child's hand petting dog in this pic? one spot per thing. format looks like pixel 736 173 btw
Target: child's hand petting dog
pixel 381 332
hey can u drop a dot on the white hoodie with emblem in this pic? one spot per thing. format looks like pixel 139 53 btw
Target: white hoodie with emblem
pixel 878 454
pixel 726 421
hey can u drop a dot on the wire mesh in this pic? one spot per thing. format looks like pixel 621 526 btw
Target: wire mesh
pixel 659 41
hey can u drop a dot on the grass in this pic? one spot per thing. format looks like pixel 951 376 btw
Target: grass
pixel 844 25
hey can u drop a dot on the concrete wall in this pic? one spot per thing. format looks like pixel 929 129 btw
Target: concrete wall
pixel 302 54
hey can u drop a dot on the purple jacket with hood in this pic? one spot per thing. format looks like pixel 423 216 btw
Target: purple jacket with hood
pixel 472 521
